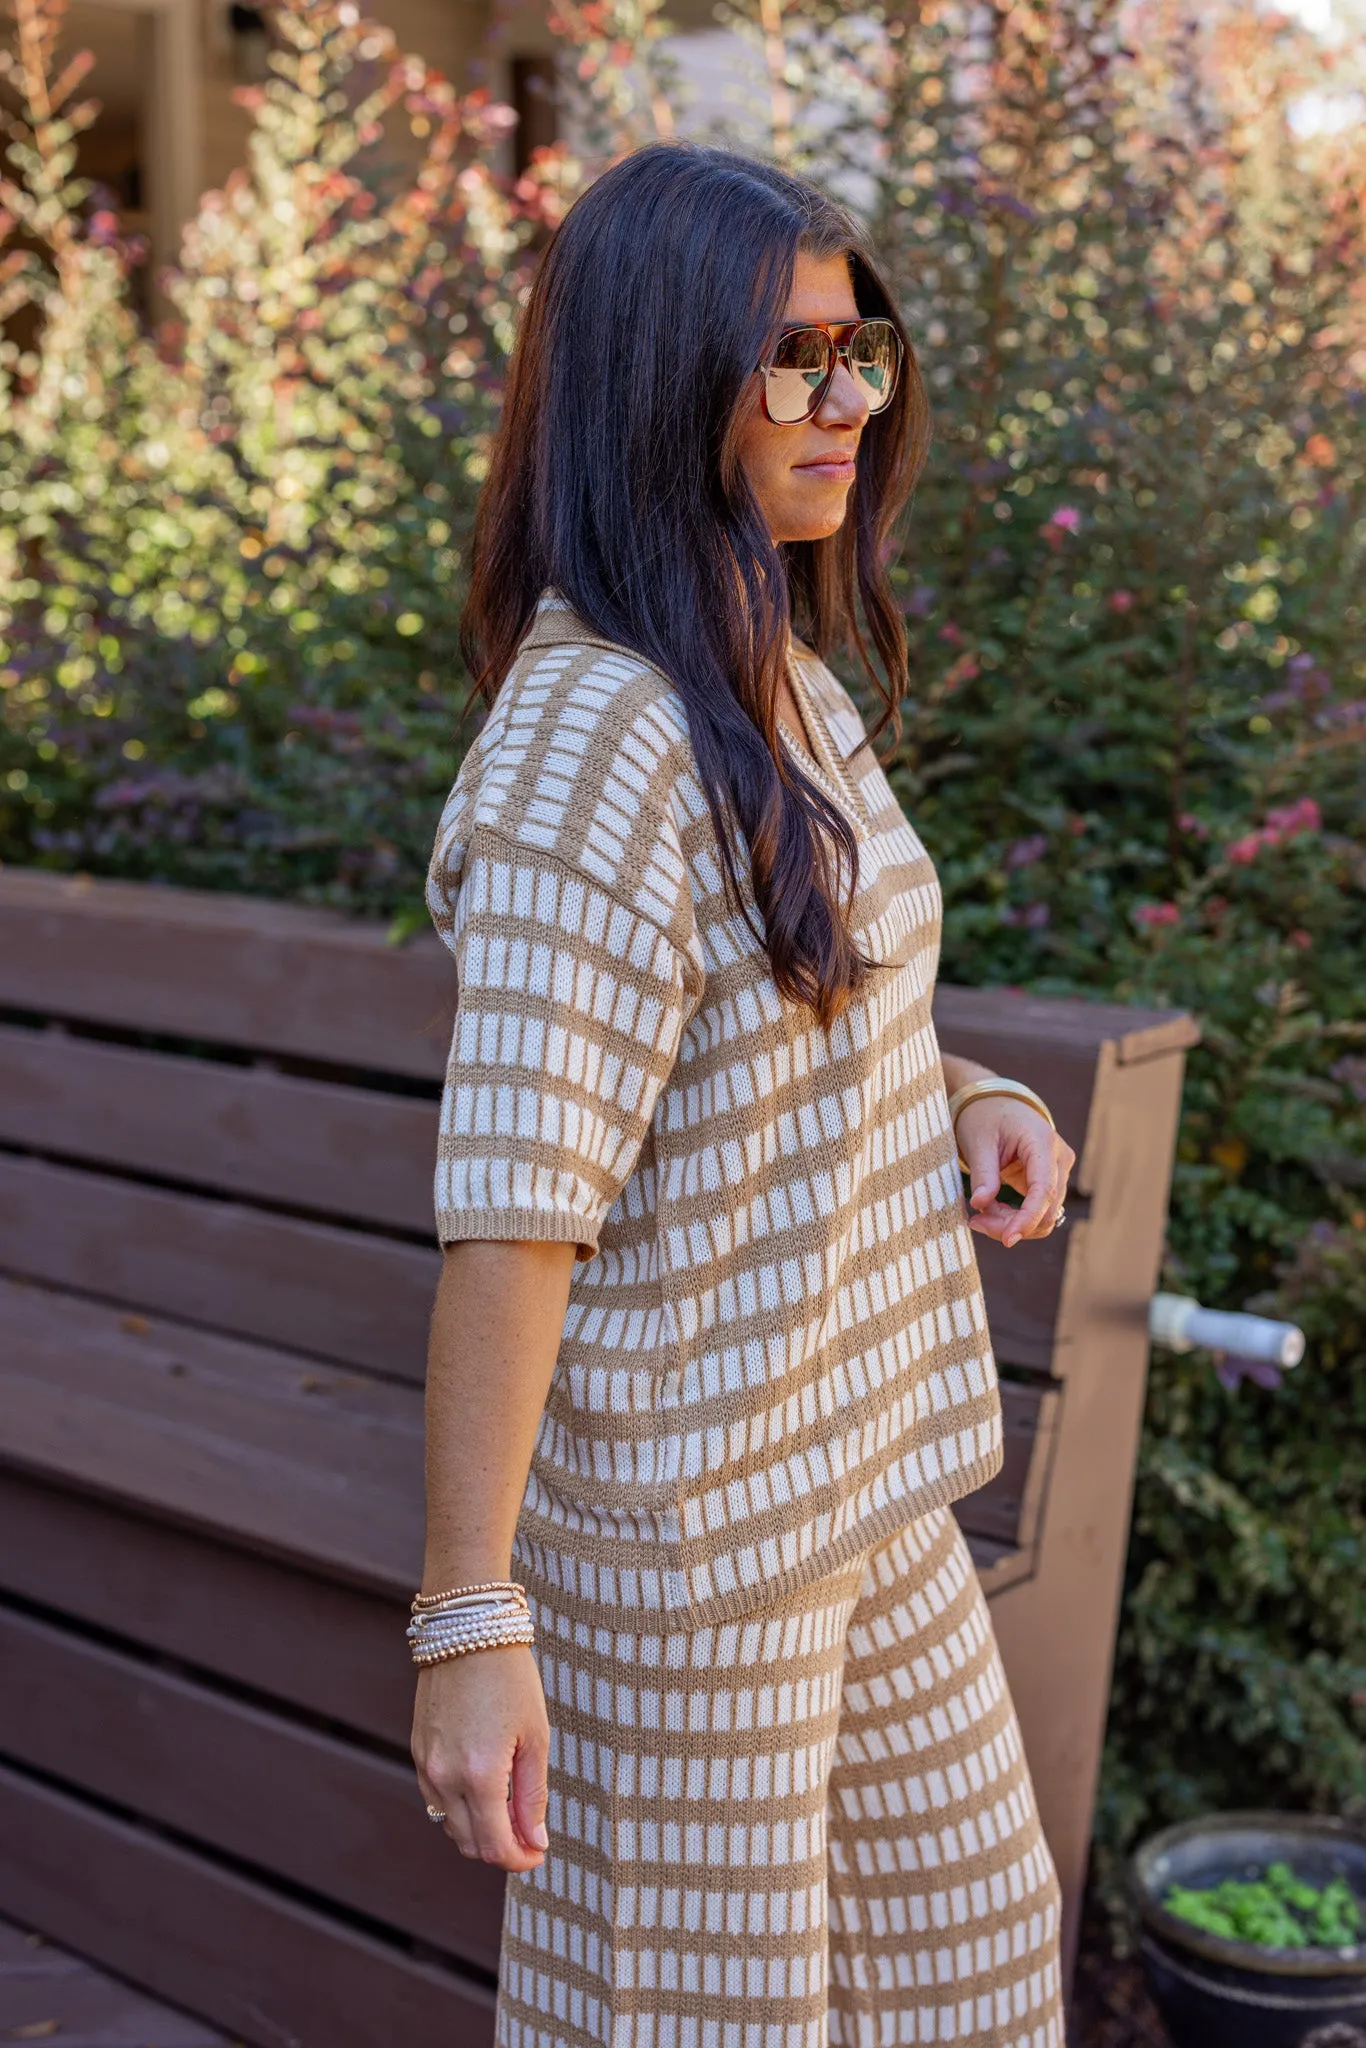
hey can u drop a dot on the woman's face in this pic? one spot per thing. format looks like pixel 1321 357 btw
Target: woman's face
pixel 801 476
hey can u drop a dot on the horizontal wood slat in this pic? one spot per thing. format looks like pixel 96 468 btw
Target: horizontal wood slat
pixel 1072 1026
pixel 235 970
pixel 265 1968
pixel 323 1814
pixel 320 1467
pixel 230 970
pixel 339 1294
pixel 238 1614
pixel 242 1131
pixel 47 1994
pixel 325 1469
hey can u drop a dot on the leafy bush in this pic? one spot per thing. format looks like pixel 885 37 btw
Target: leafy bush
pixel 1133 579
pixel 234 558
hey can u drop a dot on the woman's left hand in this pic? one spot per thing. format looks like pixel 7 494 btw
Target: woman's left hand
pixel 1005 1141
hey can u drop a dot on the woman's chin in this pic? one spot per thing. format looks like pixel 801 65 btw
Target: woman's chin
pixel 812 524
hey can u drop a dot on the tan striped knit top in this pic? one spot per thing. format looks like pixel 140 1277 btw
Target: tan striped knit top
pixel 775 1351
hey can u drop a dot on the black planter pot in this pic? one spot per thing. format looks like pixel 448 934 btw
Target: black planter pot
pixel 1214 1993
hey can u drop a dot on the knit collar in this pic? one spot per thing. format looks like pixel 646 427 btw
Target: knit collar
pixel 555 623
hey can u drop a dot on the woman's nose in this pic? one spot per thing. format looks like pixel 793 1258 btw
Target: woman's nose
pixel 845 403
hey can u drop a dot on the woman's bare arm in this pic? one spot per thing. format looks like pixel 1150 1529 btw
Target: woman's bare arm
pixel 480 1734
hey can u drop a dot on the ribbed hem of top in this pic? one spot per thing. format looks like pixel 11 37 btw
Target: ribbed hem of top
pixel 517 1226
pixel 743 1602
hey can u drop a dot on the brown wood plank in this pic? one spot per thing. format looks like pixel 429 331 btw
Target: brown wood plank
pixel 1013 1017
pixel 1006 1509
pixel 1022 1289
pixel 998 1564
pixel 1057 1629
pixel 230 970
pixel 231 1950
pixel 324 1469
pixel 1058 1048
pixel 47 1994
pixel 339 1821
pixel 316 1466
pixel 243 1131
pixel 338 1294
pixel 236 970
pixel 236 1613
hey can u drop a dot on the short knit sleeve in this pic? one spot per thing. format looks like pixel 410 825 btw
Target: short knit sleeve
pixel 559 885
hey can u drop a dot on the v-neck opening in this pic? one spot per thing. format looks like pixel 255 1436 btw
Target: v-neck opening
pixel 817 754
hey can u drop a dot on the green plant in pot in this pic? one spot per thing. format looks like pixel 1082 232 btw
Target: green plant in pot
pixel 1254 1930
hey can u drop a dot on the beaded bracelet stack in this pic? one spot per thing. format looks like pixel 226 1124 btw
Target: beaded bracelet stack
pixel 491 1616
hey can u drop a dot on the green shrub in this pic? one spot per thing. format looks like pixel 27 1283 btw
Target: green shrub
pixel 1133 579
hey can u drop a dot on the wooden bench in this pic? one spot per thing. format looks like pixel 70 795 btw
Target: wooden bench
pixel 216 1263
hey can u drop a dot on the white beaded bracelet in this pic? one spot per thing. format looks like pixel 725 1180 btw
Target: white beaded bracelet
pixel 492 1616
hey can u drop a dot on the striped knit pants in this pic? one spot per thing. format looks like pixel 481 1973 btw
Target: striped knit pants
pixel 813 1825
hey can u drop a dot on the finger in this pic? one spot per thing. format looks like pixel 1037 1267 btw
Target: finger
pixel 457 1821
pixel 460 1827
pixel 983 1156
pixel 1041 1170
pixel 1067 1159
pixel 491 1819
pixel 530 1791
pixel 994 1221
pixel 1064 1159
pixel 1048 1222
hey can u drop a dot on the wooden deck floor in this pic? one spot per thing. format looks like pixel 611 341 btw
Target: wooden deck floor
pixel 48 1995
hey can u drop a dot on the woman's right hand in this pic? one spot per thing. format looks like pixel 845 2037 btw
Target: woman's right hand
pixel 481 1743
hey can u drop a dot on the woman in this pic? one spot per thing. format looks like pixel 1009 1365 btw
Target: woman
pixel 708 1357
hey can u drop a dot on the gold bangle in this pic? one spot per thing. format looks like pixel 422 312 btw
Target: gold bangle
pixel 981 1091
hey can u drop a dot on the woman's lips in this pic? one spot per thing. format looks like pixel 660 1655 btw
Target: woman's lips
pixel 834 468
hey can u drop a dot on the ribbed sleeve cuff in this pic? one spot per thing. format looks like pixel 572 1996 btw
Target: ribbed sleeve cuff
pixel 520 1226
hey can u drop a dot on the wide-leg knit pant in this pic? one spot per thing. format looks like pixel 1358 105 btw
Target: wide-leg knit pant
pixel 812 1825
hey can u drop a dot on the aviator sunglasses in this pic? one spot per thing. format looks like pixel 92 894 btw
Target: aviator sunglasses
pixel 799 370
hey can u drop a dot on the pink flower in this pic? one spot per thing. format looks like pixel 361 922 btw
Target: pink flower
pixel 964 670
pixel 1063 520
pixel 1197 827
pixel 1288 819
pixel 1301 940
pixel 1284 821
pixel 1152 915
pixel 1121 601
pixel 952 633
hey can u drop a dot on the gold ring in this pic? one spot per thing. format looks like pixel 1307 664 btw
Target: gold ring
pixel 436 1813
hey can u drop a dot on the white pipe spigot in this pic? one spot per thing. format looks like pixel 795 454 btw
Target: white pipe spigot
pixel 1179 1324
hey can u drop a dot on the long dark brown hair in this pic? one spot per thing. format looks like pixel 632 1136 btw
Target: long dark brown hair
pixel 615 480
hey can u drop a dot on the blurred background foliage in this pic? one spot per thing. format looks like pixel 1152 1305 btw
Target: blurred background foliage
pixel 232 557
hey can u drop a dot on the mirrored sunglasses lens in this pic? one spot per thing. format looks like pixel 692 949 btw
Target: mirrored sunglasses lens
pixel 875 358
pixel 801 362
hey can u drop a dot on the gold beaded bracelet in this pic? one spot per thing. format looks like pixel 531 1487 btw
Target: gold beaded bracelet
pixel 494 1614
pixel 510 1586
